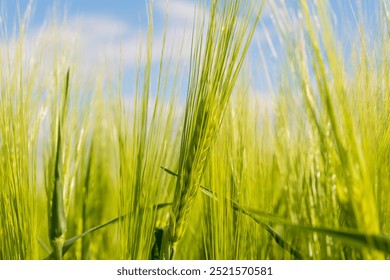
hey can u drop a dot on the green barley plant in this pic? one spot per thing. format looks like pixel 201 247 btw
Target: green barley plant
pixel 133 167
pixel 57 218
pixel 215 64
pixel 19 124
pixel 343 168
pixel 62 160
pixel 142 136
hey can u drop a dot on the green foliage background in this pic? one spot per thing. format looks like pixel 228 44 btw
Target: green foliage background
pixel 227 175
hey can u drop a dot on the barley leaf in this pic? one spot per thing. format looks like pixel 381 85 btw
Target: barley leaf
pixel 71 241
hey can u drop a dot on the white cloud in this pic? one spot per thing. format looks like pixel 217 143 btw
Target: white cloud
pixel 178 10
pixel 93 39
pixel 102 38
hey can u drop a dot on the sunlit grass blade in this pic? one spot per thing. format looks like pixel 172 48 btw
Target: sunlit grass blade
pixel 379 242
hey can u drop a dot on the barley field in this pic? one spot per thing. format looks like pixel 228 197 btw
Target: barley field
pixel 193 162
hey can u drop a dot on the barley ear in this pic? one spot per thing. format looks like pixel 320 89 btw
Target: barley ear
pixel 218 52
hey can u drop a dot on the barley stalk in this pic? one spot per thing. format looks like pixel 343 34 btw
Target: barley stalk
pixel 215 65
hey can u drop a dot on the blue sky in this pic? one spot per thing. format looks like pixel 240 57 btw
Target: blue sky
pixel 128 11
pixel 100 27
